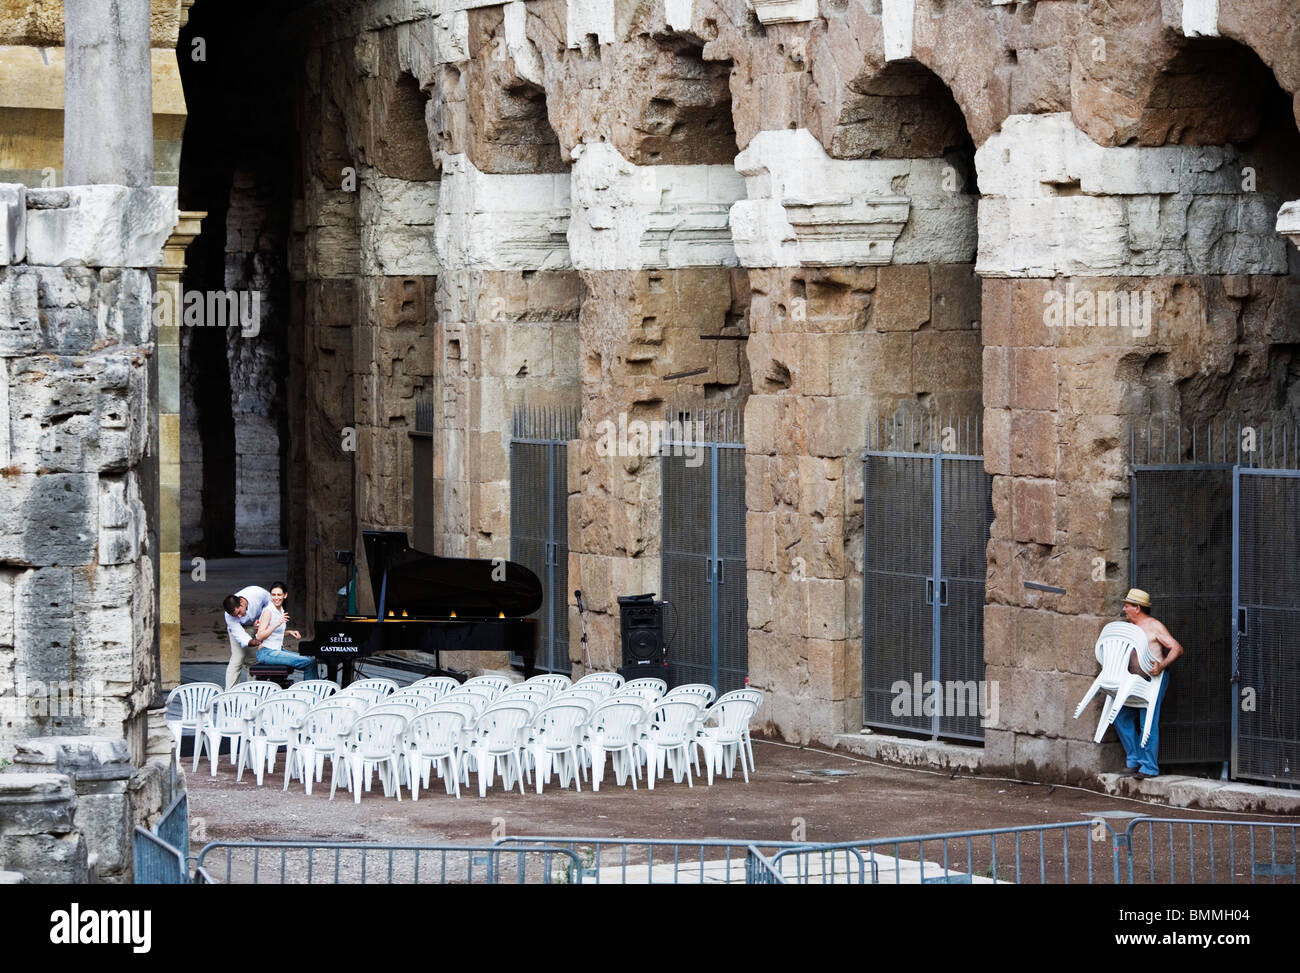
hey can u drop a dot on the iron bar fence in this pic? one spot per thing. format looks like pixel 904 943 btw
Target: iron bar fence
pixel 544 424
pixel 1271 442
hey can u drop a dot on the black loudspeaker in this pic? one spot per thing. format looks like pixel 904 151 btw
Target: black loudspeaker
pixel 642 624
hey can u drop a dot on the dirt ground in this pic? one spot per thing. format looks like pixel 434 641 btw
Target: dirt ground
pixel 867 801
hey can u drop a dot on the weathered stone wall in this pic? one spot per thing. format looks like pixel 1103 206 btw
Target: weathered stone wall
pixel 555 199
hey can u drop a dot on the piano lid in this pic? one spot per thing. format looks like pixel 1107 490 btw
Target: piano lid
pixel 427 586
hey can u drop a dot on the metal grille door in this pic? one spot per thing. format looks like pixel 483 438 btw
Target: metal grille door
pixel 539 523
pixel 1182 556
pixel 703 558
pixel 926 523
pixel 1266 625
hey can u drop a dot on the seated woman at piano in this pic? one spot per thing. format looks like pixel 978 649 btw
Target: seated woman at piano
pixel 271 632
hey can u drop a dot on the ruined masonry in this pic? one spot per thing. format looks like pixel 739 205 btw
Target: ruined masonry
pixel 828 215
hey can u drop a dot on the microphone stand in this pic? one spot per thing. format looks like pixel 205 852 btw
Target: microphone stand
pixel 582 615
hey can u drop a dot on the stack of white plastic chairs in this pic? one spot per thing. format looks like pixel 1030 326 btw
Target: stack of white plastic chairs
pixel 523 733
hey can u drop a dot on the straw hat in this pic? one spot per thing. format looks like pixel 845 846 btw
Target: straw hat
pixel 1136 596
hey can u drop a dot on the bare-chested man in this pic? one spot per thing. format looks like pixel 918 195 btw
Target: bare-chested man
pixel 1128 724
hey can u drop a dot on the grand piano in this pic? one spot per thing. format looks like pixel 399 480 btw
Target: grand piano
pixel 426 603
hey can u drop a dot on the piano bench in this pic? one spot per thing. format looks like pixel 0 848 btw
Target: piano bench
pixel 266 672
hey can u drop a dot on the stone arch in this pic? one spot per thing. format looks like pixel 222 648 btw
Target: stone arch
pixel 1136 79
pixel 507 111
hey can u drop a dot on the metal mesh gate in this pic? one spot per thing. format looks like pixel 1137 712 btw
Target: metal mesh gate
pixel 1267 625
pixel 1181 554
pixel 927 510
pixel 539 521
pixel 703 562
pixel 1216 542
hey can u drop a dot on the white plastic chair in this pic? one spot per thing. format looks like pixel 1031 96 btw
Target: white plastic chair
pixel 669 736
pixel 373 741
pixel 615 728
pixel 1115 646
pixel 557 681
pixel 321 735
pixel 541 695
pixel 756 696
pixel 275 725
pixel 228 716
pixel 194 699
pixel 321 688
pixel 611 679
pixel 434 738
pixel 426 694
pixel 721 736
pixel 557 735
pixel 264 690
pixel 498 740
pixel 636 684
pixel 478 701
pixel 595 695
pixel 702 692
pixel 405 709
pixel 645 688
pixel 495 684
pixel 388 686
pixel 441 684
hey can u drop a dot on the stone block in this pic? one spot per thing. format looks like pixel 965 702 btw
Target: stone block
pixel 996 311
pixel 1033 507
pixel 55 859
pixel 996 372
pixel 902 298
pixel 54 519
pixel 1033 443
pixel 997 441
pixel 1041 758
pixel 946 361
pixel 84 759
pixel 1034 379
pixel 954 297
pixel 20 325
pixel 36 803
pixel 13 223
pixel 99 226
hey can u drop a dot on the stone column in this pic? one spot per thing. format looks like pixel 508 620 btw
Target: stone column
pixel 659 269
pixel 865 305
pixel 108 114
pixel 167 311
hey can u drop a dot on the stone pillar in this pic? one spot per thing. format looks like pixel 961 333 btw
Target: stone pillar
pixel 108 116
pixel 167 312
pixel 78 598
pixel 659 269
pixel 865 305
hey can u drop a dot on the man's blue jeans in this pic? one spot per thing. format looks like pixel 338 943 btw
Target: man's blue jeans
pixel 1128 725
pixel 279 657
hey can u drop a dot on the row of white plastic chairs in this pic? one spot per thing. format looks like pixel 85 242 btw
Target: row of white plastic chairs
pixel 488 724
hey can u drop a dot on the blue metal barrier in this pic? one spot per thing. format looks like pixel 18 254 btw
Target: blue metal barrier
pixel 341 862
pixel 155 862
